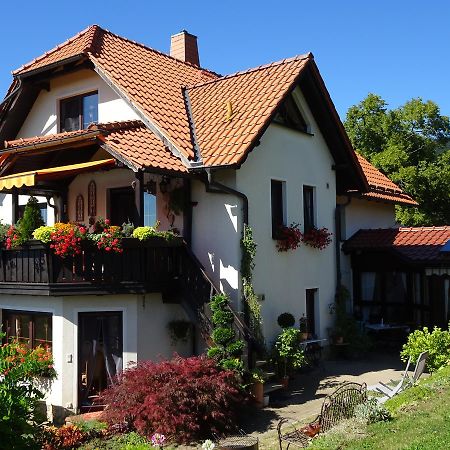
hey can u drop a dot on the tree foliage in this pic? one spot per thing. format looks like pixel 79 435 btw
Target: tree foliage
pixel 410 144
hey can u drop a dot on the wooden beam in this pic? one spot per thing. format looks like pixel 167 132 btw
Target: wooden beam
pixel 138 186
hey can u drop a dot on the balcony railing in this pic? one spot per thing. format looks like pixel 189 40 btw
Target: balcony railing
pixel 147 266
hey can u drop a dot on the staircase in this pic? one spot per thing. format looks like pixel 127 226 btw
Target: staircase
pixel 194 291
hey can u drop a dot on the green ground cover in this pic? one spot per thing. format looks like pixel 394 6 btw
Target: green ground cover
pixel 421 421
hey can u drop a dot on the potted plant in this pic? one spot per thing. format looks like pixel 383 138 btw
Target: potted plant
pixel 289 354
pixel 289 238
pixel 317 237
pixel 303 326
pixel 257 387
pixel 286 320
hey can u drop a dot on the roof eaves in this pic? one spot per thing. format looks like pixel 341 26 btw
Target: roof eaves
pixel 50 66
pixel 150 124
pixel 116 154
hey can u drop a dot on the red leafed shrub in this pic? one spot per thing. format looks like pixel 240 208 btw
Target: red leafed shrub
pixel 66 437
pixel 289 238
pixel 184 398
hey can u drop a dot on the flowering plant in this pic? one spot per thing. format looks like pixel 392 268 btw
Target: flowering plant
pixel 107 237
pixel 12 238
pixel 66 239
pixel 289 238
pixel 317 237
pixel 208 445
pixel 158 439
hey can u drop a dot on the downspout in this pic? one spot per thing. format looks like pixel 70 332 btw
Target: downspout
pixel 337 217
pixel 215 187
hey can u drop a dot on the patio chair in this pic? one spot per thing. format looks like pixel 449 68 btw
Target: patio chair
pixel 405 382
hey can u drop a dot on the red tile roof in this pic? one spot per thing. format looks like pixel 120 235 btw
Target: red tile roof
pixel 381 187
pixel 130 141
pixel 416 244
pixel 230 112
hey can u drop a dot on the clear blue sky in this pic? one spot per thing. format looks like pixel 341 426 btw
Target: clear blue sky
pixel 398 49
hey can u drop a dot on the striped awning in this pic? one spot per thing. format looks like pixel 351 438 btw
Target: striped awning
pixel 31 178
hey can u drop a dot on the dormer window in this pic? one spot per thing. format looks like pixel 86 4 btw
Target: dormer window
pixel 76 113
pixel 289 115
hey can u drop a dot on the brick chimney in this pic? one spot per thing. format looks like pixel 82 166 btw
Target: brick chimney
pixel 183 46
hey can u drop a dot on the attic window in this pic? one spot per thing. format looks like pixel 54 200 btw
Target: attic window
pixel 77 113
pixel 289 115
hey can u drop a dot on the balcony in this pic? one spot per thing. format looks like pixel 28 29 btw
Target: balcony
pixel 155 265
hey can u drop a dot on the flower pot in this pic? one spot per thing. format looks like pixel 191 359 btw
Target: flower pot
pixel 285 382
pixel 257 391
pixel 304 336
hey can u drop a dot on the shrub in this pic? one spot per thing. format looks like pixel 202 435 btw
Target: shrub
pixel 436 343
pixel 66 239
pixel 66 437
pixel 185 398
pixel 31 220
pixel 19 396
pixel 144 233
pixel 371 411
pixel 288 350
pixel 286 320
pixel 227 348
pixel 3 231
pixel 43 234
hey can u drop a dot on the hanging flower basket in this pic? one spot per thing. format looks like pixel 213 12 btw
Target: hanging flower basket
pixel 289 238
pixel 317 237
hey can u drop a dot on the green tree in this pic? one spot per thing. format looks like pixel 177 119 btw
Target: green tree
pixel 31 220
pixel 410 145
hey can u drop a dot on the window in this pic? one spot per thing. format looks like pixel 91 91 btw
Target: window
pixel 76 113
pixel 31 328
pixel 308 208
pixel 278 189
pixel 149 209
pixel 311 310
pixel 289 115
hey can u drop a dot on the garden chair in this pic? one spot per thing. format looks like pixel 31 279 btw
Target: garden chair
pixel 405 382
pixel 337 406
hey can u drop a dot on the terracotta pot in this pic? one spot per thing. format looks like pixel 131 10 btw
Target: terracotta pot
pixel 303 336
pixel 257 391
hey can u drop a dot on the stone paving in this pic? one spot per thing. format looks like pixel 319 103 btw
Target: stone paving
pixel 303 400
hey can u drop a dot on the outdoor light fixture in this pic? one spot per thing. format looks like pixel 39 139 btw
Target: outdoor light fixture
pixel 164 185
pixel 150 187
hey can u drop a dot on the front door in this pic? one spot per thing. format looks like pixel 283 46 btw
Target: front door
pixel 122 206
pixel 100 347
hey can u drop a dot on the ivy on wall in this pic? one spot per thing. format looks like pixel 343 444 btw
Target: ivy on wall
pixel 247 265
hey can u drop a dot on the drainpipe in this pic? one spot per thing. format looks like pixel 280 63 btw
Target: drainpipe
pixel 337 217
pixel 215 187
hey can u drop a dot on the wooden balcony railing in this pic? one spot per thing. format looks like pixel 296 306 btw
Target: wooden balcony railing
pixel 142 267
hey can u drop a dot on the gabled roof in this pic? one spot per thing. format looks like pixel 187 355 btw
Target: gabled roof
pixel 130 141
pixel 204 119
pixel 414 244
pixel 229 113
pixel 381 188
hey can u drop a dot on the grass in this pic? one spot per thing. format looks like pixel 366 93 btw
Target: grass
pixel 421 421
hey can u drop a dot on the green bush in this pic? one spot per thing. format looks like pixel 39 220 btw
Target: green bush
pixel 286 320
pixel 371 411
pixel 43 234
pixel 31 220
pixel 3 231
pixel 436 343
pixel 19 397
pixel 288 350
pixel 144 233
pixel 222 335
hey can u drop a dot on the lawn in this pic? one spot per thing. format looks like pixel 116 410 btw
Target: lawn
pixel 421 420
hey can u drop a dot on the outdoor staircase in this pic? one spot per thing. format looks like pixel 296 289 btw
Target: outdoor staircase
pixel 193 289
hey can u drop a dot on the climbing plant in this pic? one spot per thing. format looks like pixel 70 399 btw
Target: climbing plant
pixel 227 349
pixel 247 265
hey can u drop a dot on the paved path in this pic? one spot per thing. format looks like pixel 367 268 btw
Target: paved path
pixel 306 392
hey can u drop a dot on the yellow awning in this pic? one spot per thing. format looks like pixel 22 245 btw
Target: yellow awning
pixel 31 178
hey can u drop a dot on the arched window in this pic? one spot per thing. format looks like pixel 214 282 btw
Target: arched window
pixel 92 199
pixel 79 212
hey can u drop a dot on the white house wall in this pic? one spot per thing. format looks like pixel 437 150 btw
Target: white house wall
pixel 145 333
pixel 282 278
pixel 43 116
pixel 216 232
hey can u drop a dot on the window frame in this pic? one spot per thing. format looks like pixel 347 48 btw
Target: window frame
pixel 7 314
pixel 309 217
pixel 79 98
pixel 283 204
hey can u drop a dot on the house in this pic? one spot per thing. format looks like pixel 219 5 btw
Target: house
pixel 102 126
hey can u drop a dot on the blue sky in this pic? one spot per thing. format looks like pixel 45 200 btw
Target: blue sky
pixel 398 49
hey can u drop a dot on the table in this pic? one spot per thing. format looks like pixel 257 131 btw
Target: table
pixel 313 350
